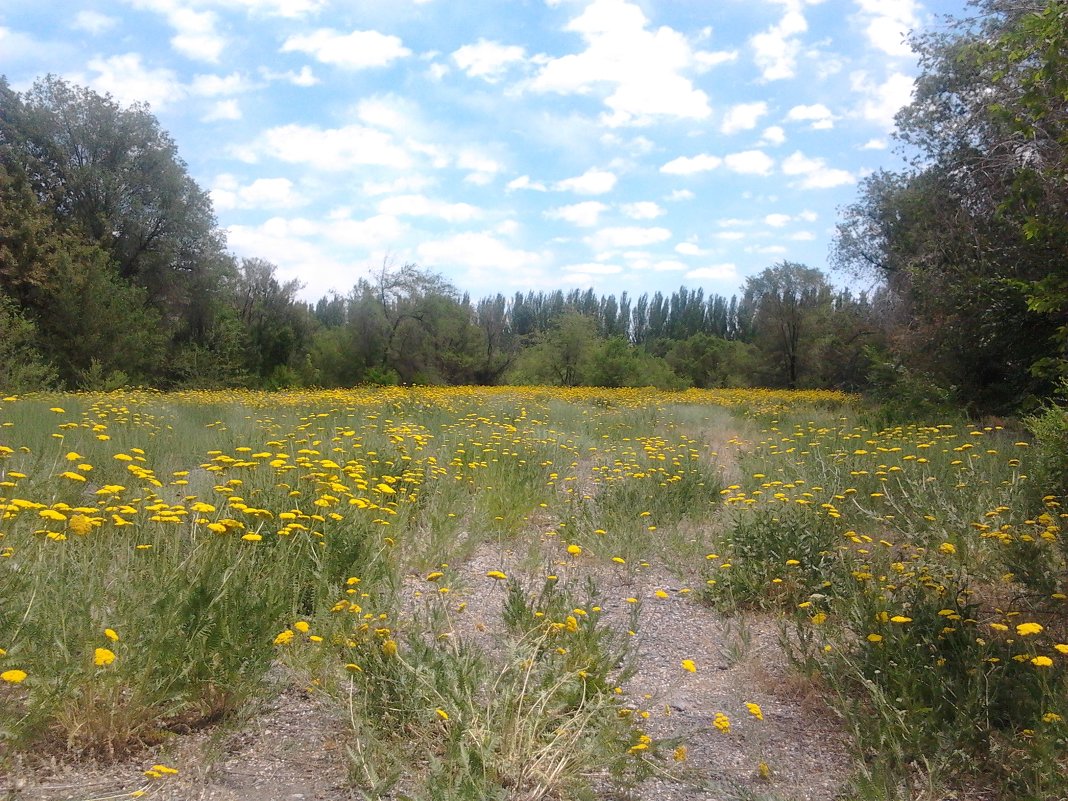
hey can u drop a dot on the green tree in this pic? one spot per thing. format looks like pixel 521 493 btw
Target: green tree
pixel 790 303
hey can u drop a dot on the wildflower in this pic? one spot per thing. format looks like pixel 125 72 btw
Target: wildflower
pixel 284 638
pixel 688 665
pixel 102 657
pixel 1042 661
pixel 496 575
pixel 875 638
pixel 1051 717
pixel 389 647
pixel 434 575
pixel 111 635
pixel 574 550
pixel 1062 647
pixel 251 537
pixel 818 619
pixel 948 548
pixel 442 714
pixel 661 594
pixel 80 524
pixel 900 619
pixel 1026 629
pixel 755 710
pixel 679 755
pixel 722 722
pixel 13 676
pixel 302 626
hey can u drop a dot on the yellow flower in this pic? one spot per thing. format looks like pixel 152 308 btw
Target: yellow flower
pixel 102 657
pixel 574 550
pixel 251 537
pixel 389 647
pixel 1062 647
pixel 496 574
pixel 900 619
pixel 661 594
pixel 679 754
pixel 818 619
pixel 755 711
pixel 111 635
pixel 441 713
pixel 434 575
pixel 1041 661
pixel 301 626
pixel 1026 629
pixel 13 676
pixel 688 665
pixel 875 638
pixel 284 638
pixel 1051 717
pixel 722 722
pixel 80 524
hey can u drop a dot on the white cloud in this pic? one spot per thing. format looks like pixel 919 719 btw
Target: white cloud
pixel 818 114
pixel 743 117
pixel 406 183
pixel 330 149
pixel 194 31
pixel 883 100
pixel 591 182
pixel 626 237
pixel 688 165
pixel 524 182
pixel 422 206
pixel 888 22
pixel 679 195
pixel 483 169
pixel 223 110
pixel 584 214
pixel 215 85
pixel 777 220
pixel 290 9
pixel 803 236
pixel 477 251
pixel 487 60
pixel 690 249
pixel 642 70
pixel 775 50
pixel 749 162
pixel 814 172
pixel 593 268
pixel 769 250
pixel 808 216
pixel 715 272
pixel 875 144
pixel 93 22
pixel 773 135
pixel 356 50
pixel 128 81
pixel 263 193
pixel 642 210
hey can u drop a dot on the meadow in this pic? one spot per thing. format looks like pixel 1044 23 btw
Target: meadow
pixel 167 560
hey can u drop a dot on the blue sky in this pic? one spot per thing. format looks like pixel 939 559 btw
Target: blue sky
pixel 627 145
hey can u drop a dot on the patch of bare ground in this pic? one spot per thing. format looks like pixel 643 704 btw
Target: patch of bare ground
pixel 291 751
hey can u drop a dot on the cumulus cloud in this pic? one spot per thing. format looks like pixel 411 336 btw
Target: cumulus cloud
pixel 355 51
pixel 478 250
pixel 223 110
pixel 127 80
pixel 263 193
pixel 93 22
pixel 814 172
pixel 524 182
pixel 749 162
pixel 775 50
pixel 586 214
pixel 195 35
pixel 887 24
pixel 642 210
pixel 817 114
pixel 678 195
pixel 487 60
pixel 773 135
pixel 688 165
pixel 626 237
pixel 330 149
pixel 777 220
pixel 642 70
pixel 882 100
pixel 422 206
pixel 591 182
pixel 725 272
pixel 743 117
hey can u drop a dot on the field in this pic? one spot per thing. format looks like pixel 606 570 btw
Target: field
pixel 525 593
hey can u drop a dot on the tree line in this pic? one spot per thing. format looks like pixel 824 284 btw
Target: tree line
pixel 114 271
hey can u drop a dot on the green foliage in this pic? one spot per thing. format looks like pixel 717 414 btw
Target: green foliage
pixel 22 368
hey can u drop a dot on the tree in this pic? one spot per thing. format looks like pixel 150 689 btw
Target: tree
pixel 789 304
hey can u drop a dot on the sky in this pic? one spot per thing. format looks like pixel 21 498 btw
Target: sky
pixel 509 145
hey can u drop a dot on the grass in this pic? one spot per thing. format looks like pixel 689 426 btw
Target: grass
pixel 160 553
